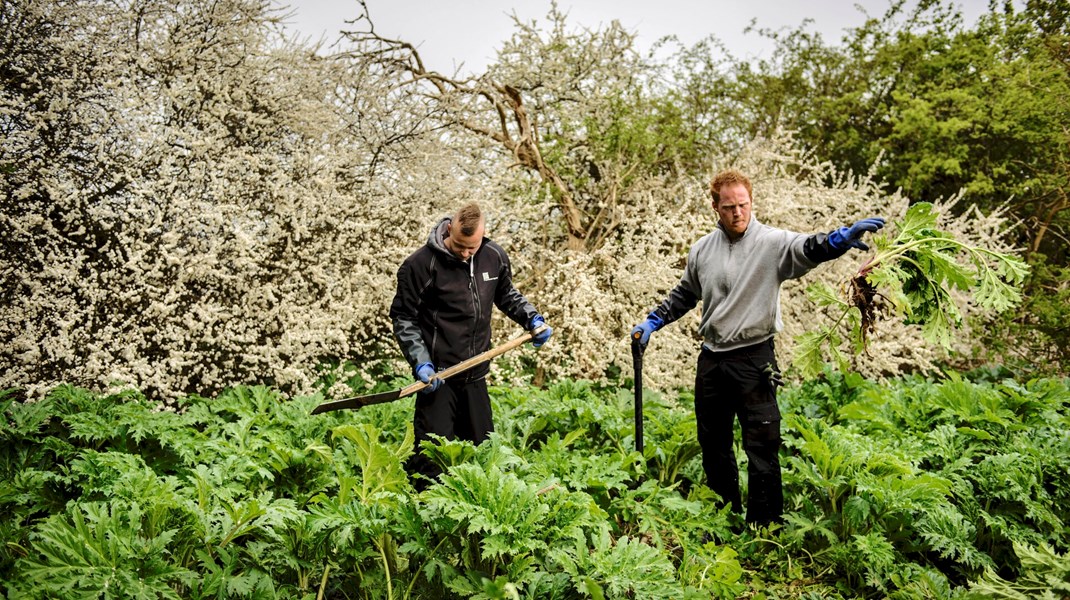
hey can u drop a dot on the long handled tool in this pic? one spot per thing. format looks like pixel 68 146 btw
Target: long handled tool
pixel 637 366
pixel 359 401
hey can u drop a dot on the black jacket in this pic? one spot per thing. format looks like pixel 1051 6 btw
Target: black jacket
pixel 441 311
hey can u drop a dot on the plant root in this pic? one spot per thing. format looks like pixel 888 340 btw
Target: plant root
pixel 863 296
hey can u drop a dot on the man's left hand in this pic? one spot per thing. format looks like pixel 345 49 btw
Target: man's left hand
pixel 540 338
pixel 851 237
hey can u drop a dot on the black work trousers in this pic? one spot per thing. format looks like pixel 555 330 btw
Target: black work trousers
pixel 456 410
pixel 735 384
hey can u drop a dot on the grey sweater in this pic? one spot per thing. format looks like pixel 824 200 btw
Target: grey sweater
pixel 739 282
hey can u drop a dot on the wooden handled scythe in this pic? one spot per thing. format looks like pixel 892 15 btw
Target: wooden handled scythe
pixel 379 398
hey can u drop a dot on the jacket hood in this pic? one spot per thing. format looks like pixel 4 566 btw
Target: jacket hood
pixel 437 239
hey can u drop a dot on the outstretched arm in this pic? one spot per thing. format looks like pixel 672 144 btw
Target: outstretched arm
pixel 821 247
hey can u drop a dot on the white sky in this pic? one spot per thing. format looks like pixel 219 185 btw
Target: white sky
pixel 449 32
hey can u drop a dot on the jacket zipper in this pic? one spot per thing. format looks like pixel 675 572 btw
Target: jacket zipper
pixel 434 334
pixel 474 289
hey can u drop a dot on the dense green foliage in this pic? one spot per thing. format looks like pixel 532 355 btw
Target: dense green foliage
pixel 909 489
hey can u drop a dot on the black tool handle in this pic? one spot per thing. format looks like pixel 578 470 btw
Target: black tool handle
pixel 637 365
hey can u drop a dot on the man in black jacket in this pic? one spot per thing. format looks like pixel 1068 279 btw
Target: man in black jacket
pixel 441 314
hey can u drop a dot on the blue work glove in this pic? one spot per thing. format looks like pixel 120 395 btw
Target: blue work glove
pixel 426 373
pixel 652 323
pixel 845 238
pixel 540 339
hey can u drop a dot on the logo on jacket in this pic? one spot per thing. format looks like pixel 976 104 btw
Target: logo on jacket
pixel 487 277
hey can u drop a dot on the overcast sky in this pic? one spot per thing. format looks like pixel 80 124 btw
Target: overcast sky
pixel 449 32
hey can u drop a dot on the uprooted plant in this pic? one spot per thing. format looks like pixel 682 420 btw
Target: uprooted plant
pixel 913 276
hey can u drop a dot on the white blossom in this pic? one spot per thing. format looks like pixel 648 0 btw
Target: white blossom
pixel 182 213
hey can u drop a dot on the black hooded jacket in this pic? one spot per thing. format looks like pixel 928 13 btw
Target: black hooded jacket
pixel 442 309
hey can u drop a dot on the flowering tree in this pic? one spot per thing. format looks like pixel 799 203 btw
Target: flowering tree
pixel 174 211
pixel 192 201
pixel 615 190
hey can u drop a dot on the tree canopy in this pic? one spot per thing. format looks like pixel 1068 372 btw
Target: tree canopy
pixel 191 200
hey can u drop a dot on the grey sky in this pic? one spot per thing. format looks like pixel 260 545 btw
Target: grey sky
pixel 469 31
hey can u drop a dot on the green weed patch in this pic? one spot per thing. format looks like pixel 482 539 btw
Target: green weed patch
pixel 910 488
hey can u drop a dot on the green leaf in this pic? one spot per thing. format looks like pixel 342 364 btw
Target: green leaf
pixel 824 295
pixel 381 466
pixel 99 551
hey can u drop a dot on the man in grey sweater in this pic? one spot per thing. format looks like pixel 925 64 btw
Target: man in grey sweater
pixel 737 270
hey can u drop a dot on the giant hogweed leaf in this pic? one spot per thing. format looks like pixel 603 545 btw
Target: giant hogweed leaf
pixel 475 585
pixel 1017 490
pixel 809 349
pixel 932 262
pixel 448 453
pixel 99 551
pixel 979 411
pixel 811 346
pixel 857 512
pixel 227 573
pixel 802 527
pixel 504 510
pixel 630 569
pixel 1036 402
pixel 823 462
pixel 104 475
pixel 380 465
pixel 673 443
pixel 918 582
pixel 824 295
pixel 68 399
pixel 348 528
pixel 874 556
pixel 128 422
pixel 919 222
pixel 495 452
pixel 904 491
pixel 951 535
pixel 914 275
pixel 543 584
pixel 431 539
pixel 225 514
pixel 565 407
pixel 1044 575
pixel 23 420
pixel 511 518
pixel 864 483
pixel 246 401
pixel 662 517
pixel 596 474
pixel 715 570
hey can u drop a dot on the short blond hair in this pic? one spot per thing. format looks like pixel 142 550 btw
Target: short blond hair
pixel 728 177
pixel 468 218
